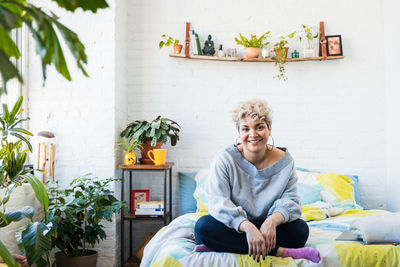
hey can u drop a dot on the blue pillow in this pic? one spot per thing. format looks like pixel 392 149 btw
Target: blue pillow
pixel 354 178
pixel 308 194
pixel 187 185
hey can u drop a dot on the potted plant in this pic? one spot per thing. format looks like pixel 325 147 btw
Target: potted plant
pixel 152 134
pixel 252 45
pixel 281 51
pixel 13 176
pixel 129 146
pixel 77 213
pixel 171 41
pixel 308 34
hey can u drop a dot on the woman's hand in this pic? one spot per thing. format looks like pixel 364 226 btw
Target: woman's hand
pixel 255 240
pixel 268 230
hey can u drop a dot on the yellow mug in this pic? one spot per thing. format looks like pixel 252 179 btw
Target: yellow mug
pixel 159 156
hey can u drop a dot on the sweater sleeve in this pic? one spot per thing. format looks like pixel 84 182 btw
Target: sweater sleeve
pixel 218 191
pixel 289 203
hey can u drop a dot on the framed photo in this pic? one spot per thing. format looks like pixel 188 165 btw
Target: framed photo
pixel 138 196
pixel 334 45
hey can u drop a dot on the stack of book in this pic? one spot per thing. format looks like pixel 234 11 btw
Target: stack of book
pixel 150 208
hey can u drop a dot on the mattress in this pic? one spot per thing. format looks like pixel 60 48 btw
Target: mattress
pixel 174 243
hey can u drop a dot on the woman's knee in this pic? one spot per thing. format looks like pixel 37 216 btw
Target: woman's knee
pixel 302 232
pixel 203 224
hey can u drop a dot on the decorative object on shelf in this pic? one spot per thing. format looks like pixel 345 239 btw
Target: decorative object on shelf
pixel 139 195
pixel 129 146
pixel 334 45
pixel 193 42
pixel 139 252
pixel 265 52
pixel 46 140
pixel 78 223
pixel 171 41
pixel 199 52
pixel 220 52
pixel 281 51
pixel 159 156
pixel 322 40
pixel 209 49
pixel 187 40
pixel 152 134
pixel 295 54
pixel 252 46
pixel 231 52
pixel 307 35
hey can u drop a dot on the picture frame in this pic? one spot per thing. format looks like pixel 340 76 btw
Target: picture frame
pixel 334 45
pixel 138 195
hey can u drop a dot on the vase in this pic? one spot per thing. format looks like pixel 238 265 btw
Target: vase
pixel 265 52
pixel 178 48
pixel 252 52
pixel 89 260
pixel 146 147
pixel 279 51
pixel 129 158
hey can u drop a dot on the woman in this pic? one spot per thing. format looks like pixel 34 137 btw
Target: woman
pixel 252 195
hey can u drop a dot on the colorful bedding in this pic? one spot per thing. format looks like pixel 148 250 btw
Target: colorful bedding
pixel 172 247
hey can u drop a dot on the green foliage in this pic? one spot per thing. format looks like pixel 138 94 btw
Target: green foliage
pixel 170 41
pixel 155 131
pixel 7 257
pixel 254 41
pixel 46 30
pixel 307 32
pixel 78 211
pixel 280 61
pixel 128 145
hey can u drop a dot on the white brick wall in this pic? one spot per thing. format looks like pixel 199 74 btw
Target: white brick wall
pixel 331 115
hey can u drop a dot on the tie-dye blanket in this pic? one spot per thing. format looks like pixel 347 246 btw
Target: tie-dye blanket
pixel 172 247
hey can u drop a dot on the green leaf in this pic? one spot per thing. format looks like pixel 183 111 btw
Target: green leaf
pixel 23 139
pixel 39 189
pixel 8 71
pixel 35 239
pixel 15 216
pixel 7 257
pixel 7 44
pixel 92 5
pixel 16 108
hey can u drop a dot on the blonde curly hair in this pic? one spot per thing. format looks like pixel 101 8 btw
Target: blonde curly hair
pixel 255 108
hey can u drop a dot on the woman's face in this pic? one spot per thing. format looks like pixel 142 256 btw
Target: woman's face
pixel 253 134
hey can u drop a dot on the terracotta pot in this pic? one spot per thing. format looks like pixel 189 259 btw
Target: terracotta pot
pixel 177 48
pixel 129 158
pixel 89 260
pixel 252 52
pixel 146 147
pixel 278 53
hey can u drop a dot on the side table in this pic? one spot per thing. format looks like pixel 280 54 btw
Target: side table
pixel 167 217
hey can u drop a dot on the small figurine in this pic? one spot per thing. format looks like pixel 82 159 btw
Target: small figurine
pixel 220 52
pixel 295 54
pixel 209 49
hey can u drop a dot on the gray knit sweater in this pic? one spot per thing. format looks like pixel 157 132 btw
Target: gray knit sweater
pixel 237 191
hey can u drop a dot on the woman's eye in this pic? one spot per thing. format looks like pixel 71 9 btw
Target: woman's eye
pixel 244 129
pixel 260 127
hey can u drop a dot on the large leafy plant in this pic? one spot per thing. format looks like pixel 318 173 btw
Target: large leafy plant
pixel 253 41
pixel 158 130
pixel 78 212
pixel 46 30
pixel 13 174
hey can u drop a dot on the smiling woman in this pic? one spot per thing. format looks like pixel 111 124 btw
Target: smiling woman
pixel 253 189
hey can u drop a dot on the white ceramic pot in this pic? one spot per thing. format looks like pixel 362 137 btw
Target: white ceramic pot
pixel 309 53
pixel 265 52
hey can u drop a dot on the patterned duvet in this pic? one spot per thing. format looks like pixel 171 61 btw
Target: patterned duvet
pixel 173 245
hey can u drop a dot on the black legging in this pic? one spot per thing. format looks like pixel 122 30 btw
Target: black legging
pixel 218 237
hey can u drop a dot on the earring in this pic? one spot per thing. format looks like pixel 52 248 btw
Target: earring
pixel 238 142
pixel 273 143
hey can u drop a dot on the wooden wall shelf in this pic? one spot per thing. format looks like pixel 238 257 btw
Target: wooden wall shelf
pixel 241 59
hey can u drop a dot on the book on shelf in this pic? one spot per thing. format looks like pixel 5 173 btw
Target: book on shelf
pixel 149 212
pixel 198 44
pixel 150 205
pixel 193 42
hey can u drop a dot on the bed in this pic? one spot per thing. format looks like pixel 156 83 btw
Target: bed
pixel 328 212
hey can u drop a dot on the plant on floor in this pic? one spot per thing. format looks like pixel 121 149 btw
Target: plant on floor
pixel 158 130
pixel 46 29
pixel 13 174
pixel 78 212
